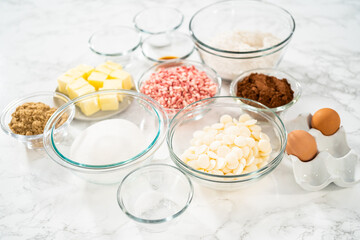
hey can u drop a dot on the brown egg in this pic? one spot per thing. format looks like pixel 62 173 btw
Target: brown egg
pixel 301 144
pixel 326 120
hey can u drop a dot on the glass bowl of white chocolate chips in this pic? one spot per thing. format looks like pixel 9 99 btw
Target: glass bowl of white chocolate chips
pixel 224 143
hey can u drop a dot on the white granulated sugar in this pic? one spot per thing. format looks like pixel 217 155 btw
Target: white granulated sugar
pixel 108 142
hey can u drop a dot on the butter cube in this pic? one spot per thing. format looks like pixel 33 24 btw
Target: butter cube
pixel 75 85
pixel 63 81
pixel 113 84
pixel 103 68
pixel 74 93
pixel 125 77
pixel 74 73
pixel 90 106
pixel 97 79
pixel 85 69
pixel 113 65
pixel 108 102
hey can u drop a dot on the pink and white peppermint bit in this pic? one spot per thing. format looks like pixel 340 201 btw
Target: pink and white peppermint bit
pixel 177 87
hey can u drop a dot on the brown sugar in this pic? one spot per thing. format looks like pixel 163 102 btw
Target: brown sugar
pixel 268 90
pixel 30 118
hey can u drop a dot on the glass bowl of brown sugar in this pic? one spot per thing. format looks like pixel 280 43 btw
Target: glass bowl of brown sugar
pixel 25 118
pixel 274 88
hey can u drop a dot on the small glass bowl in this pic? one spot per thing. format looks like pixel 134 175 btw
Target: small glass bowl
pixel 207 112
pixel 149 117
pixel 155 195
pixel 158 20
pixel 115 43
pixel 222 17
pixel 175 44
pixel 53 99
pixel 177 63
pixel 295 86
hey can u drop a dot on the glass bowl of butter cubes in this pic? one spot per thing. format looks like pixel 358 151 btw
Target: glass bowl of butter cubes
pixel 84 79
pixel 224 143
pixel 105 149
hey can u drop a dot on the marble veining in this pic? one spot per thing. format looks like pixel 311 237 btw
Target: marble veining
pixel 41 200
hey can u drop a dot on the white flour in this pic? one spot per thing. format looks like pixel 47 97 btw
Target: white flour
pixel 108 142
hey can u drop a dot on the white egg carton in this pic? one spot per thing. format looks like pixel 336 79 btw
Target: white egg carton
pixel 335 162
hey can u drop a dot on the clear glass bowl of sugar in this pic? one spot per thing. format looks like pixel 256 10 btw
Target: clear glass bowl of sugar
pixel 155 196
pixel 107 144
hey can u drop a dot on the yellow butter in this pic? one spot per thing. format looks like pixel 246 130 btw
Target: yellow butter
pixel 75 73
pixel 113 65
pixel 79 84
pixel 97 79
pixel 113 84
pixel 124 76
pixel 108 102
pixel 104 69
pixel 90 106
pixel 85 69
pixel 74 93
pixel 63 81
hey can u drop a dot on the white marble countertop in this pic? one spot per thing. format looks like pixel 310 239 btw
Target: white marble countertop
pixel 41 200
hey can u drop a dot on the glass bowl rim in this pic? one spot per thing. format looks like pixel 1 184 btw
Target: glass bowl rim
pixel 217 78
pixel 254 174
pixel 163 61
pixel 130 50
pixel 161 220
pixel 160 32
pixel 17 101
pixel 289 77
pixel 50 147
pixel 196 40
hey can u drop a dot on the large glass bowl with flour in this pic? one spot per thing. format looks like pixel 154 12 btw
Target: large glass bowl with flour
pixel 235 36
pixel 105 146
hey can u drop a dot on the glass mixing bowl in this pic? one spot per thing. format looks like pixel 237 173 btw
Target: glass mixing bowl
pixel 146 114
pixel 52 99
pixel 294 84
pixel 155 196
pixel 207 112
pixel 115 43
pixel 219 19
pixel 177 63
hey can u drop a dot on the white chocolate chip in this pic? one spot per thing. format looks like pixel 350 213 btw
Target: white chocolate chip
pixel 203 161
pixel 250 122
pixel 264 146
pixel 220 163
pixel 218 126
pixel 245 117
pixel 225 119
pixel 222 151
pixel 240 141
pixel 229 139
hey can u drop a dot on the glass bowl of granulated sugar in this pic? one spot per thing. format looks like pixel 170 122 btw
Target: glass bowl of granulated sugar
pixel 235 36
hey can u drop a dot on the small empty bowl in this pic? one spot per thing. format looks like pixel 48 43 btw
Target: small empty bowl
pixel 294 84
pixel 115 43
pixel 158 20
pixel 155 195
pixel 52 99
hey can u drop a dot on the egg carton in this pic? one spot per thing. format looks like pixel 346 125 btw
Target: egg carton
pixel 335 162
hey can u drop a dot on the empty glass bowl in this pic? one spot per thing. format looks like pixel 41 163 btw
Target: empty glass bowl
pixel 209 26
pixel 115 43
pixel 105 153
pixel 52 99
pixel 207 112
pixel 155 196
pixel 158 20
pixel 294 84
